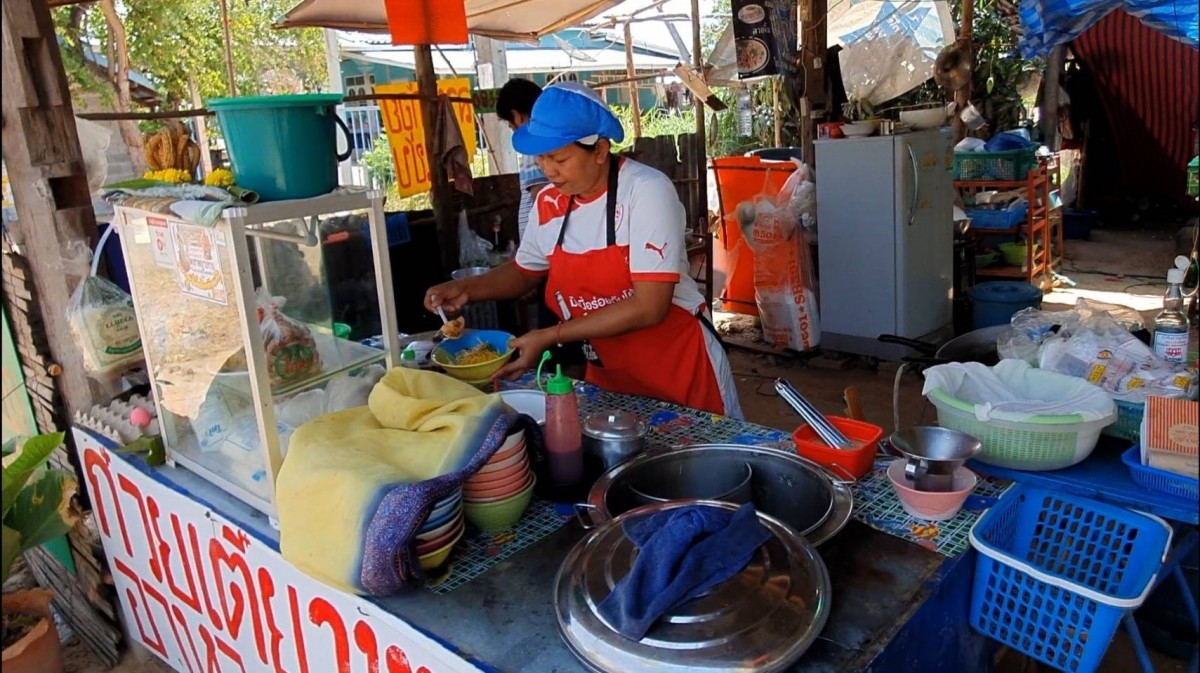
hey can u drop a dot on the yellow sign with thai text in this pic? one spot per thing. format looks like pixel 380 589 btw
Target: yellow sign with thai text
pixel 406 131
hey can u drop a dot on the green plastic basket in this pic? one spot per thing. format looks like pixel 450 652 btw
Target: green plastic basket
pixel 1049 442
pixel 1129 421
pixel 1008 166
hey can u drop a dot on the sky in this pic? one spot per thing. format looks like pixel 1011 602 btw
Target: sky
pixel 655 32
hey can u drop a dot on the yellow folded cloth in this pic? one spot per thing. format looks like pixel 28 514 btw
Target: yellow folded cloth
pixel 356 484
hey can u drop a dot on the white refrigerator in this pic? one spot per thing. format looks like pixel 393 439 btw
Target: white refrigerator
pixel 885 241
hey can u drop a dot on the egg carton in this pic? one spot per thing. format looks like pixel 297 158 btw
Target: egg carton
pixel 112 420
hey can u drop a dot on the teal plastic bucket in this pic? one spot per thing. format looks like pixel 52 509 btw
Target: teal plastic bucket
pixel 283 147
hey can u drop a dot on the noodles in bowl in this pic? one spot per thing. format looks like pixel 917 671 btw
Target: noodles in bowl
pixel 474 356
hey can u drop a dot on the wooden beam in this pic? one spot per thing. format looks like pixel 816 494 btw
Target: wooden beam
pixel 440 194
pixel 201 127
pixel 49 183
pixel 635 106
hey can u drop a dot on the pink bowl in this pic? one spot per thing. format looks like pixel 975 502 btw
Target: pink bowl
pixel 424 548
pixel 496 466
pixel 504 454
pixel 927 505
pixel 515 438
pixel 487 479
pixel 500 492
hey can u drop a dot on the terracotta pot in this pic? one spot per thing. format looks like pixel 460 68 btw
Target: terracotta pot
pixel 39 650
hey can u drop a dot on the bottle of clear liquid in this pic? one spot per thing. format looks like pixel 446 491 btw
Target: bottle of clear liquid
pixel 564 440
pixel 1171 326
pixel 745 113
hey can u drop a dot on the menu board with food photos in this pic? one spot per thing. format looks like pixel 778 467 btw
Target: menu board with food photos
pixel 764 33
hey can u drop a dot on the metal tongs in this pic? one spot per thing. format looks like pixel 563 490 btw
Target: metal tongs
pixel 824 429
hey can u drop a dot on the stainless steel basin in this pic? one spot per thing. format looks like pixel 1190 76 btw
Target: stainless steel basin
pixel 800 493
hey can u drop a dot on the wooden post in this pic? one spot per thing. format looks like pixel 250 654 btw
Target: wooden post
pixel 447 230
pixel 635 107
pixel 700 164
pixel 812 57
pixel 201 123
pixel 776 112
pixel 50 190
pixel 1054 68
pixel 228 47
pixel 492 72
pixel 962 97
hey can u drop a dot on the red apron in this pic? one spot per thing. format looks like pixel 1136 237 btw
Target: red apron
pixel 668 361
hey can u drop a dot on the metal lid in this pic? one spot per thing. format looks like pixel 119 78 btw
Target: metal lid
pixel 614 425
pixel 762 619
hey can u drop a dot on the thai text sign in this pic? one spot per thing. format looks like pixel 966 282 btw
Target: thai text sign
pixel 406 131
pixel 206 596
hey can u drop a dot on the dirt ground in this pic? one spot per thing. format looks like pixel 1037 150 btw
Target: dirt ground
pixel 1118 266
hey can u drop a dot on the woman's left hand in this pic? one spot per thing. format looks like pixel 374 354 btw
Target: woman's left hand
pixel 529 349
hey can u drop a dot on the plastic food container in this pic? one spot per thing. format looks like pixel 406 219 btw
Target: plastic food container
pixel 852 463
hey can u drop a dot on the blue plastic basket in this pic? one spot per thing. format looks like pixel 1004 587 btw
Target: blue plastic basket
pixel 1056 573
pixel 1159 480
pixel 982 218
pixel 1129 421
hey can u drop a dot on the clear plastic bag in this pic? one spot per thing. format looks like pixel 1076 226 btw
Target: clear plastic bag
pixel 784 283
pixel 473 249
pixel 102 319
pixel 291 350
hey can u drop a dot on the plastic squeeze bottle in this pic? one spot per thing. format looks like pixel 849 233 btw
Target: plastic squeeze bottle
pixel 564 441
pixel 1171 326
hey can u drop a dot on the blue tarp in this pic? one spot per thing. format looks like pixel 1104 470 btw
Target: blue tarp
pixel 1049 23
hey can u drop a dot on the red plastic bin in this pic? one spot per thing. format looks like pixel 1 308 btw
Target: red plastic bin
pixel 851 462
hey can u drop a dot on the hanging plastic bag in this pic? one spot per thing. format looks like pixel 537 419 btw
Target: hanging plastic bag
pixel 102 319
pixel 473 249
pixel 784 283
pixel 291 350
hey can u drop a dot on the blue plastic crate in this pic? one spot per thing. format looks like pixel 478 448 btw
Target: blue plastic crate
pixel 397 229
pixel 1056 573
pixel 982 218
pixel 1159 480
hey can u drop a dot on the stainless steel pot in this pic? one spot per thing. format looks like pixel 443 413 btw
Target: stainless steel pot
pixel 663 483
pixel 614 436
pixel 762 619
pixel 796 491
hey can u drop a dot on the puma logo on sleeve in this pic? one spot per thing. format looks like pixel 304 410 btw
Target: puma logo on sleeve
pixel 660 250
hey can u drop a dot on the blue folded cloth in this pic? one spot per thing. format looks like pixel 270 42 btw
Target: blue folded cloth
pixel 681 554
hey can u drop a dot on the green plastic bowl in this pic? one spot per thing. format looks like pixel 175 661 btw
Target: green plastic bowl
pixel 1014 253
pixel 492 517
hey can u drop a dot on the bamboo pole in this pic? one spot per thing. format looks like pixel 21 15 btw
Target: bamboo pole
pixel 700 165
pixel 201 127
pixel 228 47
pixel 777 112
pixel 634 104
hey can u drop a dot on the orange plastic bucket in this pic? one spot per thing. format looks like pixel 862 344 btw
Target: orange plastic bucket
pixel 740 179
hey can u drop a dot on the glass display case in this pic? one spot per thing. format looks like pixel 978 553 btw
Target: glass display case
pixel 242 336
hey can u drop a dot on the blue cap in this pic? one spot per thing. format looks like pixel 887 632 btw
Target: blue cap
pixel 565 113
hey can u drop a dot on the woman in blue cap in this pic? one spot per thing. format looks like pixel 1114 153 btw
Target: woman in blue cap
pixel 607 235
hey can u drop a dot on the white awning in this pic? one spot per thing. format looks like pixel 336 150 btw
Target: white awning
pixel 515 20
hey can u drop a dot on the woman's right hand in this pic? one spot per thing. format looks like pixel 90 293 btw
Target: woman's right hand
pixel 451 296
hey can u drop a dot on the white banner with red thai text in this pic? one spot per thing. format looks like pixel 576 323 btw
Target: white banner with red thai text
pixel 207 597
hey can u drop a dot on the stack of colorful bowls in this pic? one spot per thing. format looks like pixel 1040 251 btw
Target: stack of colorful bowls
pixel 441 531
pixel 496 496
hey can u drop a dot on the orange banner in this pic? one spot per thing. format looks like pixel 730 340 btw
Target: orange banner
pixel 427 21
pixel 406 131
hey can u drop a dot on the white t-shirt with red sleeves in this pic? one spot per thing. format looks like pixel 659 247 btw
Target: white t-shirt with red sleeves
pixel 649 219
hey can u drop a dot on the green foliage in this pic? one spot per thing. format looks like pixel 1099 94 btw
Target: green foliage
pixel 170 40
pixel 37 503
pixel 655 123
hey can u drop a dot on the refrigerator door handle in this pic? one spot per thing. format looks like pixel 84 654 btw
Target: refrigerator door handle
pixel 912 209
